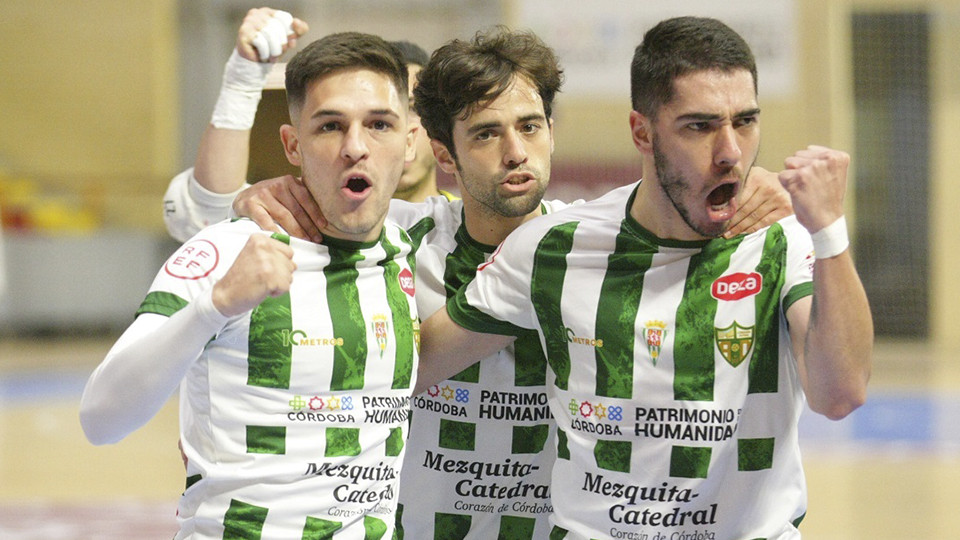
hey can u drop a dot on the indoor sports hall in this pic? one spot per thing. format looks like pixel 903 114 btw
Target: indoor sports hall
pixel 104 102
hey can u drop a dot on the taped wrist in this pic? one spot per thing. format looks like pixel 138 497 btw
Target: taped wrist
pixel 240 93
pixel 831 240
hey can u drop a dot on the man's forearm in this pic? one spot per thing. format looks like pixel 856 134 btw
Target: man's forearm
pixel 838 346
pixel 222 159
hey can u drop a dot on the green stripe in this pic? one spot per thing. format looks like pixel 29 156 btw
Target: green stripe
pixel 457 435
pixel 689 461
pixel 617 313
pixel 394 442
pixel 516 528
pixel 764 365
pixel 269 349
pixel 399 303
pixel 374 528
pixel 471 318
pixel 469 375
pixel 557 533
pixel 529 439
pixel 161 303
pixel 797 292
pixel 266 440
pixel 460 267
pixel 193 479
pixel 563 448
pixel 694 341
pixel 342 442
pixel 450 526
pixel 546 288
pixel 243 521
pixel 320 529
pixel 420 230
pixel 532 371
pixel 613 455
pixel 343 299
pixel 755 454
pixel 398 526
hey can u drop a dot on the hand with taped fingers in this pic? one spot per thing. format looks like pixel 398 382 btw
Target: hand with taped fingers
pixel 764 202
pixel 264 268
pixel 283 202
pixel 816 179
pixel 267 33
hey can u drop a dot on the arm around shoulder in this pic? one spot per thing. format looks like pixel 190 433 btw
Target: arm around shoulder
pixel 447 348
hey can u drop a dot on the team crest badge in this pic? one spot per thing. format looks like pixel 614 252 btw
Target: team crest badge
pixel 734 342
pixel 654 333
pixel 379 327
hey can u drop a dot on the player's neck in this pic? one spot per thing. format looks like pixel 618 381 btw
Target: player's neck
pixel 654 212
pixel 420 191
pixel 489 228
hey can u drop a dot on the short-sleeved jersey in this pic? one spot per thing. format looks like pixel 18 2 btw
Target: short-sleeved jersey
pixel 672 378
pixel 293 418
pixel 481 444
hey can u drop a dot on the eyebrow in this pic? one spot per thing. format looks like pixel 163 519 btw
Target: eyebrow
pixel 336 113
pixel 487 125
pixel 706 117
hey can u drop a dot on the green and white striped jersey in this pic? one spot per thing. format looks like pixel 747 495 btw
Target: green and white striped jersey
pixel 671 375
pixel 294 417
pixel 481 444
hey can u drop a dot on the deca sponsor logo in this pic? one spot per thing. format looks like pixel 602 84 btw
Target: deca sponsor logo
pixel 406 281
pixel 737 286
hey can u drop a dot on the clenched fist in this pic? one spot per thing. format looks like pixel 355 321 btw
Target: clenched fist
pixel 816 179
pixel 263 268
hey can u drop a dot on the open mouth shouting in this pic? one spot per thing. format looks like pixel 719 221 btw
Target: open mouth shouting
pixel 722 201
pixel 357 186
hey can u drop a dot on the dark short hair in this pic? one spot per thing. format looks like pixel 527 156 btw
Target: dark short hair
pixel 462 75
pixel 344 50
pixel 678 46
pixel 412 53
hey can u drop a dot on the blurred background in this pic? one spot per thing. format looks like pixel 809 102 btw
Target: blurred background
pixel 103 101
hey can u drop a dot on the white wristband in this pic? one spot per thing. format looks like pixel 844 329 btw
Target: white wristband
pixel 831 240
pixel 243 83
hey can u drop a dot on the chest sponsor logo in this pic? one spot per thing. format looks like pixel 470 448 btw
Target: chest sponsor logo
pixel 300 338
pixel 194 260
pixel 595 417
pixel 735 342
pixel 579 340
pixel 348 408
pixel 406 281
pixel 654 333
pixel 737 286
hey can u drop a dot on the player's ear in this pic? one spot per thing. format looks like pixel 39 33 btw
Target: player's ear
pixel 291 144
pixel 413 128
pixel 641 129
pixel 550 126
pixel 444 158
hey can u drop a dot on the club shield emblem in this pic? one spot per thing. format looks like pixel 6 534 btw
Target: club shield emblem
pixel 379 327
pixel 734 342
pixel 654 333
